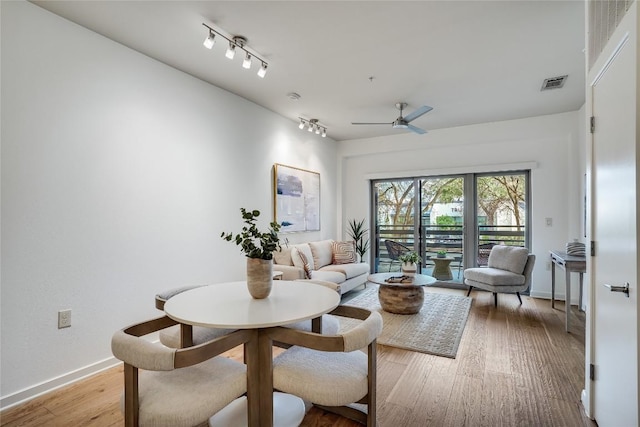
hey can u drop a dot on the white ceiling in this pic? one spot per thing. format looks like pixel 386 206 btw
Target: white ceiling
pixel 472 61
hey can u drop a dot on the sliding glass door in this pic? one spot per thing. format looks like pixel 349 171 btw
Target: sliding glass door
pixel 451 221
pixel 502 212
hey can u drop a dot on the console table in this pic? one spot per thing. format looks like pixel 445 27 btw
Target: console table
pixel 570 264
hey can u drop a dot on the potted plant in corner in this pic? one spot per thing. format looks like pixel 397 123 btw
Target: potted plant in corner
pixel 357 232
pixel 258 247
pixel 410 262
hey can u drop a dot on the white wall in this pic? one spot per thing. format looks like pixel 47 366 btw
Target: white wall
pixel 551 144
pixel 118 176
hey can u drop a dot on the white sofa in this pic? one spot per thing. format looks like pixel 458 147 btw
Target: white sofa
pixel 326 260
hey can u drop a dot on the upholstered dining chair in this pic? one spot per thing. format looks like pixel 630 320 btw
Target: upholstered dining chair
pixel 180 336
pixel 176 387
pixel 508 269
pixel 395 250
pixel 330 371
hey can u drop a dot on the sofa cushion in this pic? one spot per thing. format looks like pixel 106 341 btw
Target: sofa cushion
pixel 344 252
pixel 283 256
pixel 322 253
pixel 510 258
pixel 297 260
pixel 494 276
pixel 348 270
pixel 328 275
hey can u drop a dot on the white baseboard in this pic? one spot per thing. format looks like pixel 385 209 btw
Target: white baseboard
pixel 55 383
pixel 558 297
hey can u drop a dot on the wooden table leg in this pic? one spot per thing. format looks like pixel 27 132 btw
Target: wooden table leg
pixel 265 349
pixel 567 304
pixel 252 360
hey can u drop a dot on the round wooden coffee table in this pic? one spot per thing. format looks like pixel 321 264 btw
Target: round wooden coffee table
pixel 401 298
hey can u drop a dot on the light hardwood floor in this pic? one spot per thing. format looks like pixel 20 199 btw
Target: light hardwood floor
pixel 515 367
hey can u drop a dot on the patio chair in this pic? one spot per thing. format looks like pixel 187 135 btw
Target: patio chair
pixel 395 250
pixel 484 249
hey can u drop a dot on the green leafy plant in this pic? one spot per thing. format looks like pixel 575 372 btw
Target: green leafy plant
pixel 410 257
pixel 252 242
pixel 442 254
pixel 358 233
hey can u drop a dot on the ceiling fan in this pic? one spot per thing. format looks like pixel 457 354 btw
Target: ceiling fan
pixel 403 122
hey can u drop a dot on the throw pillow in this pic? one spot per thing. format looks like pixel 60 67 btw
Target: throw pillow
pixel 322 253
pixel 344 252
pixel 283 256
pixel 305 265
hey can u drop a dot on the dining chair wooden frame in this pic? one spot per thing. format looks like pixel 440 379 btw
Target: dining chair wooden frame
pixel 336 343
pixel 182 358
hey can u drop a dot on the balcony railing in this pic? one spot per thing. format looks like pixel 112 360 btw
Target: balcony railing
pixel 448 238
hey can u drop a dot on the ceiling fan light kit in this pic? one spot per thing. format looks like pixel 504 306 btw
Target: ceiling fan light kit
pixel 236 42
pixel 313 125
pixel 403 122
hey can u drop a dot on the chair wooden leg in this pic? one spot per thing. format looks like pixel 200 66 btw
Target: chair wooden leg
pixel 495 297
pixel 519 299
pixel 469 291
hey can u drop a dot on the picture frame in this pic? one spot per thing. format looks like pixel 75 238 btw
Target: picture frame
pixel 296 198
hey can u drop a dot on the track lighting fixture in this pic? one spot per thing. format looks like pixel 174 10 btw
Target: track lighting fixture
pixel 313 126
pixel 236 42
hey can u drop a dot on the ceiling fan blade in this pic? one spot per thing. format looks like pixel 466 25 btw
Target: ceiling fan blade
pixel 415 129
pixel 420 111
pixel 361 123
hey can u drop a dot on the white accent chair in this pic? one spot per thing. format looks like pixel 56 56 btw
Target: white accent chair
pixel 176 387
pixel 330 371
pixel 508 269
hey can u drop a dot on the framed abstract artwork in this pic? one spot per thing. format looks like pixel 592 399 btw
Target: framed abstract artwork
pixel 296 195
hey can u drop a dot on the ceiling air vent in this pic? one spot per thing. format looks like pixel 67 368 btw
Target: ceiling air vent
pixel 553 82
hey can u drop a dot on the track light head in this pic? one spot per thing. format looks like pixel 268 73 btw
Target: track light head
pixel 231 51
pixel 324 132
pixel 210 40
pixel 247 61
pixel 301 125
pixel 263 70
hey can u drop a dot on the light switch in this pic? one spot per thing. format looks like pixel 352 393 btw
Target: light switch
pixel 548 221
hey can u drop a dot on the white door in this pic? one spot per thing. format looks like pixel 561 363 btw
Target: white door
pixel 615 389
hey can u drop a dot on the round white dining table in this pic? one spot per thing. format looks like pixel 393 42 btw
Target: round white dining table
pixel 229 305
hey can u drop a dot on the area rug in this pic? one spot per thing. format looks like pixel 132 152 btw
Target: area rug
pixel 436 329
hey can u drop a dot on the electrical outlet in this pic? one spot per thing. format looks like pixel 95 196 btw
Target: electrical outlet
pixel 64 319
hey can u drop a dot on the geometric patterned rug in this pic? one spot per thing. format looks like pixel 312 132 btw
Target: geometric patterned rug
pixel 436 329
